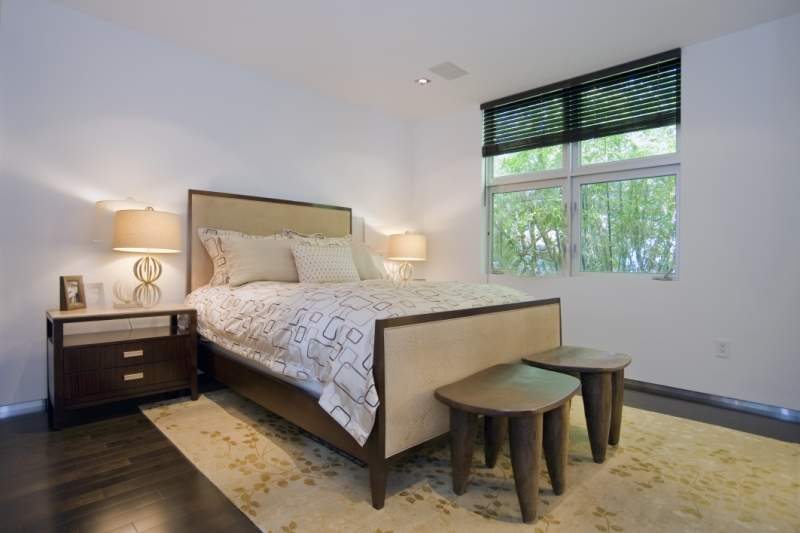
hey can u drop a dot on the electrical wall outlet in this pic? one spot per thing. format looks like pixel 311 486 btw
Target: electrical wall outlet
pixel 722 348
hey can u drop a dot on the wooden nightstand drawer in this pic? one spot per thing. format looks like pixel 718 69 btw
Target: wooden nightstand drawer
pixel 137 353
pixel 133 377
pixel 82 359
pixel 81 385
pixel 87 386
pixel 125 354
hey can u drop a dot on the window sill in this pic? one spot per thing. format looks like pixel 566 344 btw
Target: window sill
pixel 628 276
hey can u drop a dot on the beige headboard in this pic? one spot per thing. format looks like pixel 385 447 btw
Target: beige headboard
pixel 257 216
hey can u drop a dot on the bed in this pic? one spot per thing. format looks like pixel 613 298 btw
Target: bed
pixel 410 355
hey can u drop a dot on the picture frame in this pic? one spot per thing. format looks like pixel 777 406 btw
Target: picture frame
pixel 72 294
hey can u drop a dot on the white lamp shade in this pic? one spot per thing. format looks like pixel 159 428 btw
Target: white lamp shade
pixel 407 247
pixel 147 231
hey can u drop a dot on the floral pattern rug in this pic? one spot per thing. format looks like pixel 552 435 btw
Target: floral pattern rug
pixel 667 474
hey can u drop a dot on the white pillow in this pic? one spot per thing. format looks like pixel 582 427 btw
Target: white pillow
pixel 259 260
pixel 210 237
pixel 318 238
pixel 212 242
pixel 324 264
pixel 392 269
pixel 365 263
pixel 380 264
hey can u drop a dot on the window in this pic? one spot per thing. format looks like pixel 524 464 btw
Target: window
pixel 630 145
pixel 628 225
pixel 528 231
pixel 583 176
pixel 528 161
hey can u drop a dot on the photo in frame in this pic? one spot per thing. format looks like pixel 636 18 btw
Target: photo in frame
pixel 72 294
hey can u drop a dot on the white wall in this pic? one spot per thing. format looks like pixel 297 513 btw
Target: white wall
pixel 89 111
pixel 739 246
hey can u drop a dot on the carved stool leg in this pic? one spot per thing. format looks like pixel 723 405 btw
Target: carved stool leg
pixel 463 429
pixel 596 392
pixel 617 393
pixel 494 435
pixel 555 442
pixel 525 436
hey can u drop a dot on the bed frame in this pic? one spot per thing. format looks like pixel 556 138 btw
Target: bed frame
pixel 413 355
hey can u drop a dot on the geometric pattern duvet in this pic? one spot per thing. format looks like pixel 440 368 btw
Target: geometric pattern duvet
pixel 325 332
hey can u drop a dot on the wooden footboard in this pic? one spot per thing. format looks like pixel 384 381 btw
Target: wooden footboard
pixel 422 353
pixel 416 354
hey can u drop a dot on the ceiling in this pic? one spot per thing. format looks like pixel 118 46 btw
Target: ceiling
pixel 369 52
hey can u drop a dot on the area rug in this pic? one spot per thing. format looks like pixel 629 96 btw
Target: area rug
pixel 667 474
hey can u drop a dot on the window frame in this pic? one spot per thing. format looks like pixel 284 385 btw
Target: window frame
pixel 570 177
pixel 579 169
pixel 621 175
pixel 528 177
pixel 527 186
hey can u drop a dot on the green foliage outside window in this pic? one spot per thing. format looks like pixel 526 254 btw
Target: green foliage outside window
pixel 628 225
pixel 631 145
pixel 529 231
pixel 538 159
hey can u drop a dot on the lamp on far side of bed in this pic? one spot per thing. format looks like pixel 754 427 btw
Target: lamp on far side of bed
pixel 148 232
pixel 407 247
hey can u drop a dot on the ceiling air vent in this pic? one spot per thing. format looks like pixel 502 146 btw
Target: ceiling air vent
pixel 448 71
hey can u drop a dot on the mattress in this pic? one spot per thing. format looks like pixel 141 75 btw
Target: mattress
pixel 322 335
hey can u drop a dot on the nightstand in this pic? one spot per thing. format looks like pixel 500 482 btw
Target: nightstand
pixel 89 369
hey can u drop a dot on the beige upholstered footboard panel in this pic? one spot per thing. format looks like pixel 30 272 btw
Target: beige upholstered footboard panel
pixel 418 358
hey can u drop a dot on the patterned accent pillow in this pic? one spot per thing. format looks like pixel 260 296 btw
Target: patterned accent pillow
pixel 324 264
pixel 212 239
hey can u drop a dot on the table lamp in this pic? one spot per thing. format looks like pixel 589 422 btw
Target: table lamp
pixel 407 247
pixel 148 232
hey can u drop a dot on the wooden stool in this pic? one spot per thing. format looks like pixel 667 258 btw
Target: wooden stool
pixel 602 377
pixel 536 403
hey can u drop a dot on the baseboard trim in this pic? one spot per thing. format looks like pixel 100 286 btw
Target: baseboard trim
pixel 24 408
pixel 771 411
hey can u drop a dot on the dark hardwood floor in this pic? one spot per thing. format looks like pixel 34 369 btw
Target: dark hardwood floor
pixel 117 472
pixel 114 474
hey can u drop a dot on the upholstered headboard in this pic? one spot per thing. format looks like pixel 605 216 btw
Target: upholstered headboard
pixel 257 216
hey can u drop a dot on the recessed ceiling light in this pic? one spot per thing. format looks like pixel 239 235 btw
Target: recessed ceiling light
pixel 422 81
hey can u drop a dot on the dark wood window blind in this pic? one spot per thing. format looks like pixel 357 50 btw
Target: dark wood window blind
pixel 634 96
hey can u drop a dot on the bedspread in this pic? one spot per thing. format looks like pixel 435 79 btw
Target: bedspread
pixel 326 332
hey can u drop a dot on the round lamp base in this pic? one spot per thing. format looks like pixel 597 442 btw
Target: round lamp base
pixel 405 271
pixel 147 269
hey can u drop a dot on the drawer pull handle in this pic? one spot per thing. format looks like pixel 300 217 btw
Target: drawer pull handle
pixel 132 353
pixel 133 377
